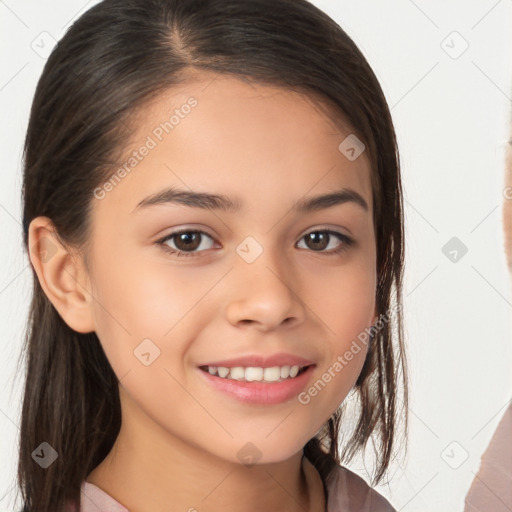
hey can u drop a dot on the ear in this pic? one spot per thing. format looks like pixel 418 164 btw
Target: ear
pixel 62 275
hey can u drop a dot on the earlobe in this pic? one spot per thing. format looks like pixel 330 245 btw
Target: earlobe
pixel 61 274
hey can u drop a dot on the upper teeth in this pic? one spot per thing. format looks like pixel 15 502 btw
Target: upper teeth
pixel 251 373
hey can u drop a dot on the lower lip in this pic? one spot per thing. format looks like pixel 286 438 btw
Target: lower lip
pixel 258 392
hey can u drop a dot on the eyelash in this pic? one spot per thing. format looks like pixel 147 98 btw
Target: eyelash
pixel 347 242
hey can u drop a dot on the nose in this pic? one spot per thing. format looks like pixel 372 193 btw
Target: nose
pixel 262 294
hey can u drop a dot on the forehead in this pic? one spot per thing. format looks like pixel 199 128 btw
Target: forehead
pixel 226 93
pixel 219 132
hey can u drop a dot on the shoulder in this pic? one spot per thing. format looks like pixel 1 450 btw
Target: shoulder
pixel 492 486
pixel 94 499
pixel 347 491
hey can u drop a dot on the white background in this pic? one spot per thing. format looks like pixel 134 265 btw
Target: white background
pixel 451 116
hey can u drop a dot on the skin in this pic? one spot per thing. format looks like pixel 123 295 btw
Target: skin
pixel 180 437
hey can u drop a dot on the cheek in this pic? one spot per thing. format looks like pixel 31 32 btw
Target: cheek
pixel 345 300
pixel 134 302
pixel 347 310
pixel 144 306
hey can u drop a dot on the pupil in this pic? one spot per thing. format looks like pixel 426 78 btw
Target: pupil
pixel 318 235
pixel 188 240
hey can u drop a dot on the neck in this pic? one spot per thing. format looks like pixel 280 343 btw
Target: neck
pixel 150 469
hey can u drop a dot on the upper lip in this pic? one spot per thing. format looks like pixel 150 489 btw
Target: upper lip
pixel 262 361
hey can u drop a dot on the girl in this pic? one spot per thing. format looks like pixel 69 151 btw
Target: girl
pixel 213 214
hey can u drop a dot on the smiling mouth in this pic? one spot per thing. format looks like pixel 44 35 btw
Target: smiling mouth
pixel 256 374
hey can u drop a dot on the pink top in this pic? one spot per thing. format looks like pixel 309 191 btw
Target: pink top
pixel 491 489
pixel 347 492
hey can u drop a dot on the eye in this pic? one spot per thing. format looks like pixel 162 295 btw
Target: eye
pixel 320 239
pixel 185 241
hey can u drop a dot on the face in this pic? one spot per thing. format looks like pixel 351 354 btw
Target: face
pixel 260 278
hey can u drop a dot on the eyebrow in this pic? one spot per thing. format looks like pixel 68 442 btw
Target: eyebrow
pixel 208 201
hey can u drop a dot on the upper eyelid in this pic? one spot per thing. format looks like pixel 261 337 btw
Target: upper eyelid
pixel 202 231
pixel 186 230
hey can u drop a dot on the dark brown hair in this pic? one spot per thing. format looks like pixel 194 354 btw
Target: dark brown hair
pixel 111 62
